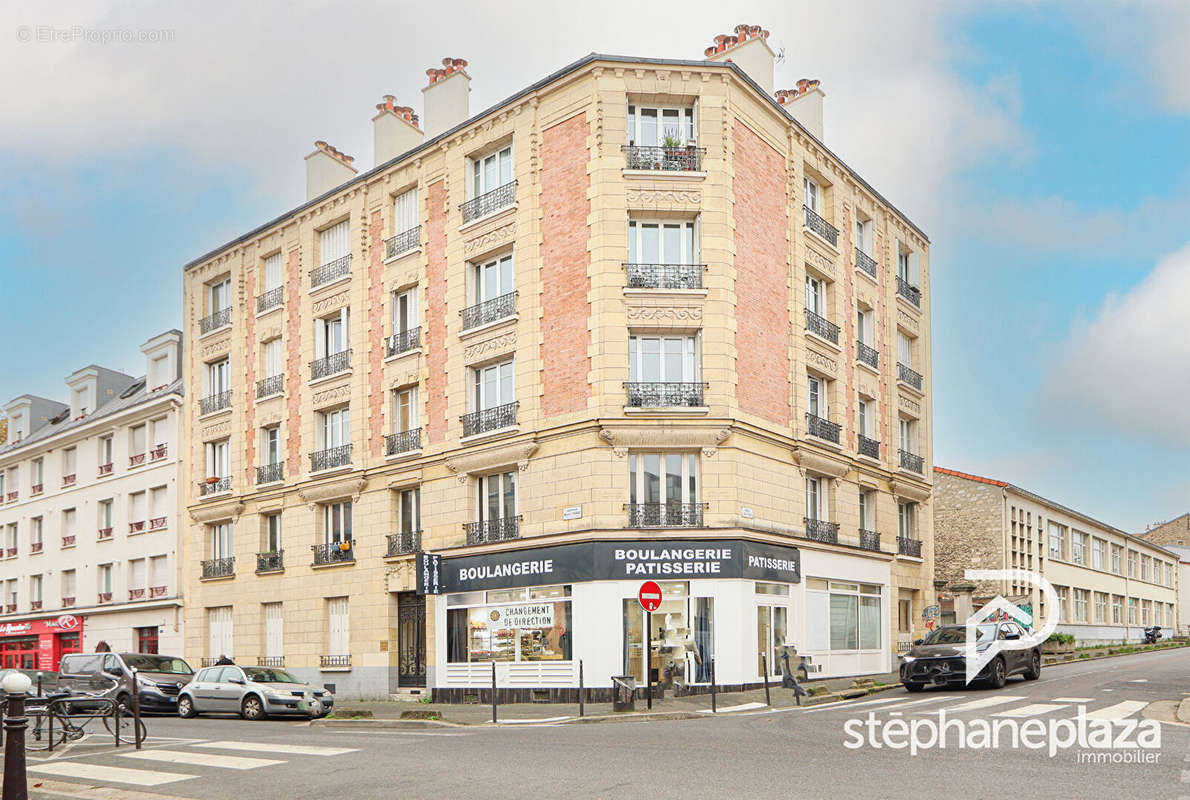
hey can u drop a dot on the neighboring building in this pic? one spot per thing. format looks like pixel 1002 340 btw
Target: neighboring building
pixel 1176 531
pixel 1111 584
pixel 90 514
pixel 1183 554
pixel 634 321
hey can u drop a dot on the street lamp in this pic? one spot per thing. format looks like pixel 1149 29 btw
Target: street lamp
pixel 15 685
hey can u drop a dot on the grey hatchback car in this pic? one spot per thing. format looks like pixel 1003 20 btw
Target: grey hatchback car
pixel 253 693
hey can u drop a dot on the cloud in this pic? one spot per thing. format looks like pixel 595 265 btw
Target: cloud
pixel 1126 372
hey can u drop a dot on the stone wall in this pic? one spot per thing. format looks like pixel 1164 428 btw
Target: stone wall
pixel 968 529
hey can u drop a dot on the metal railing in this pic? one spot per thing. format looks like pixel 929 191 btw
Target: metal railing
pixel 821 227
pixel 403 543
pixel 68 602
pixel 214 486
pixel 865 262
pixel 820 326
pixel 158 452
pixel 402 242
pixel 493 530
pixel 214 402
pixel 334 661
pixel 136 527
pixel 68 541
pixel 156 523
pixel 334 552
pixel 270 299
pixel 489 419
pixel 646 394
pixel 402 442
pixel 869 540
pixel 867 354
pixel 330 365
pixel 819 530
pixel 68 480
pixel 266 387
pixel 104 469
pixel 402 342
pixel 37 488
pixel 908 546
pixel 332 270
pixel 158 591
pixel 664 276
pixel 270 661
pixel 219 567
pixel 330 458
pixel 489 310
pixel 268 473
pixel 215 321
pixel 136 460
pixel 273 561
pixel 687 158
pixel 906 374
pixel 869 447
pixel 910 461
pixel 666 515
pixel 822 428
pixel 489 202
pixel 908 291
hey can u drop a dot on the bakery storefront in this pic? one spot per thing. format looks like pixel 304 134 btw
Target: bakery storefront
pixel 39 643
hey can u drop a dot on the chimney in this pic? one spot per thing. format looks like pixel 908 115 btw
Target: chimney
pixel 805 104
pixel 326 168
pixel 394 131
pixel 445 102
pixel 749 50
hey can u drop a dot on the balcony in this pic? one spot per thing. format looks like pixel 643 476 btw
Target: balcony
pixel 330 365
pixel 664 159
pixel 493 530
pixel 136 527
pixel 403 442
pixel 489 419
pixel 489 311
pixel 214 485
pixel 10 552
pixel 867 355
pixel 330 458
pixel 869 540
pixel 822 428
pixel 330 271
pixel 270 473
pixel 136 460
pixel 10 608
pixel 402 242
pixel 908 546
pixel 907 376
pixel 156 523
pixel 159 452
pixel 267 387
pixel 35 547
pixel 68 480
pixel 865 262
pixel 666 515
pixel 821 227
pixel 334 662
pixel 665 395
pixel 270 299
pixel 219 567
pixel 214 402
pixel 35 605
pixel 489 202
pixel 820 326
pixel 273 561
pixel 105 533
pixel 104 469
pixel 910 461
pixel 67 602
pixel 402 342
pixel 214 322
pixel 157 591
pixel 909 291
pixel 105 597
pixel 869 447
pixel 37 489
pixel 819 530
pixel 68 541
pixel 270 661
pixel 334 553
pixel 403 543
pixel 664 276
pixel 136 594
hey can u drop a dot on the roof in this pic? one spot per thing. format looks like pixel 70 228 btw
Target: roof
pixel 969 476
pixel 562 73
pixel 1180 550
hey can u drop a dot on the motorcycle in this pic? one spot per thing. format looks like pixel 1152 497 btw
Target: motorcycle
pixel 1152 634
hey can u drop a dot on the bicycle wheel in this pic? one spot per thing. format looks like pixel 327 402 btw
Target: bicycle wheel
pixel 127 732
pixel 37 735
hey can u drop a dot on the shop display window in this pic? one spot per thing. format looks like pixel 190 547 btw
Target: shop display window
pixel 511 625
pixel 842 616
pixel 682 632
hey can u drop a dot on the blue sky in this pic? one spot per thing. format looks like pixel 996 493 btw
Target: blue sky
pixel 1042 145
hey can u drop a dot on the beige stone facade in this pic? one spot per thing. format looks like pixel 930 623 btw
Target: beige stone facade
pixel 735 406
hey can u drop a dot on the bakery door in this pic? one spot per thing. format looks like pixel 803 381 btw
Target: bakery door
pixel 411 639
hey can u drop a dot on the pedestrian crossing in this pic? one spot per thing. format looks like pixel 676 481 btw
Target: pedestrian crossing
pixel 1003 706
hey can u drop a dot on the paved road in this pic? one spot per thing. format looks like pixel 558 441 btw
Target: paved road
pixel 795 753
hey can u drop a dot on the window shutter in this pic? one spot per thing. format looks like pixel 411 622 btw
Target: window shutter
pixel 343 321
pixel 320 338
pixel 913 268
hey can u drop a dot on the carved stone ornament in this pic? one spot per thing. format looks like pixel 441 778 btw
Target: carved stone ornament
pixel 490 240
pixel 496 344
pixel 821 362
pixel 653 198
pixel 332 302
pixel 909 490
pixel 817 462
pixel 229 509
pixel 331 395
pixel 665 314
pixel 335 490
pixel 662 435
pixel 909 405
pixel 469 463
pixel 220 345
pixel 906 319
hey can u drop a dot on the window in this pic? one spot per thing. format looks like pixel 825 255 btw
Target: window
pixel 489 173
pixel 37 474
pixel 817 505
pixel 333 243
pixel 867 510
pixel 330 334
pixel 11 539
pixel 1078 547
pixel 105 453
pixel 219 296
pixel 272 272
pixel 158 505
pixel 1057 540
pixel 405 311
pixel 218 377
pixel 158 371
pixel 1146 568
pixel 405 216
pixel 105 579
pixel 68 524
pixel 907 520
pixel 136 441
pixel 271 356
pixel 1132 606
pixel 1080 605
pixel 497 498
pixel 491 279
pixel 492 386
pixel 1101 600
pixel 35 534
pixel 10 592
pixel 137 507
pixel 334 429
pixel 904 615
pixel 1131 563
pixel 405 408
pixel 221 541
pixel 274 627
pixel 661 126
pixel 272 533
pixel 69 456
pixel 137 575
pixel 816 396
pixel 338 637
pixel 1063 601
pixel 864 418
pixel 409 510
pixel 105 515
pixel 842 616
pixel 35 590
pixel 270 445
pixel 905 349
pixel 812 192
pixel 146 639
pixel 217 459
pixel 68 585
pixel 158 575
pixel 336 523
pixel 159 435
pixel 863 235
pixel 907 429
pixel 518 625
pixel 1097 554
pixel 663 359
pixel 220 640
pixel 662 242
pixel 864 327
pixel 1115 558
pixel 772 632
pixel 661 480
pixel 816 296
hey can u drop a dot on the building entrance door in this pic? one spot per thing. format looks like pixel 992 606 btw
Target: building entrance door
pixel 411 639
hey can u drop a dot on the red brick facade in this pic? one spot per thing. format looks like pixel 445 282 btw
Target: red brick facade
pixel 249 307
pixel 293 365
pixel 435 314
pixel 376 308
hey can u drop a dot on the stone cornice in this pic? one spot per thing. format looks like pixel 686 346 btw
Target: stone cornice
pixel 816 461
pixel 229 509
pixel 514 453
pixel 664 435
pixel 335 490
pixel 909 490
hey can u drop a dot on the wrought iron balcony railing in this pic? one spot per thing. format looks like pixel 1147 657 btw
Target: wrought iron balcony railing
pixel 68 540
pixel 37 489
pixel 330 458
pixel 69 480
pixel 869 540
pixel 646 394
pixel 159 452
pixel 68 602
pixel 270 661
pixel 489 202
pixel 908 291
pixel 330 365
pixel 158 591
pixel 821 227
pixel 215 321
pixel 493 530
pixel 867 355
pixel 822 428
pixel 267 387
pixel 136 460
pixel 489 419
pixel 270 473
pixel 402 342
pixel 666 159
pixel 330 271
pixel 402 442
pixel 334 552
pixel 820 326
pixel 908 546
pixel 403 543
pixel 270 299
pixel 865 262
pixel 910 461
pixel 214 402
pixel 157 523
pixel 272 561
pixel 403 242
pixel 819 530
pixel 219 567
pixel 136 527
pixel 334 661
pixel 214 486
pixel 905 374
pixel 869 447
pixel 666 515
pixel 664 276
pixel 489 311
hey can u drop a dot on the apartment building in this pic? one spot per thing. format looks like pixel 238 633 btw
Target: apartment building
pixel 89 514
pixel 635 321
pixel 1110 584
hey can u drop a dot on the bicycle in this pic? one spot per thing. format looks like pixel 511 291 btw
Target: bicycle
pixel 65 718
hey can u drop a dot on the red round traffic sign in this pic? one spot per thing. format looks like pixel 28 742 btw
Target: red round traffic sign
pixel 649 596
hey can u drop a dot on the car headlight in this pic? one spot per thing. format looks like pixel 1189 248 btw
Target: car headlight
pixel 908 659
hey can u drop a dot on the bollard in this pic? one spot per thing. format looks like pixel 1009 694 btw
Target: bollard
pixel 136 737
pixel 116 726
pixel 764 663
pixel 15 786
pixel 713 708
pixel 580 687
pixel 493 692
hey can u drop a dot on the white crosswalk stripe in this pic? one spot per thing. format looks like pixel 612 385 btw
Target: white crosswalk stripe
pixel 980 704
pixel 99 772
pixel 1031 710
pixel 286 749
pixel 922 702
pixel 202 759
pixel 849 706
pixel 1074 700
pixel 1118 711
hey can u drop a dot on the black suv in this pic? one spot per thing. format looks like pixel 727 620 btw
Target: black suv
pixel 940 660
pixel 158 678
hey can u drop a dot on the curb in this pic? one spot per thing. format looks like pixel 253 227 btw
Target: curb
pixel 365 723
pixel 1077 660
pixel 1183 712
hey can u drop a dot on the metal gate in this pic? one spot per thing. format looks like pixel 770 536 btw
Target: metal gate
pixel 411 639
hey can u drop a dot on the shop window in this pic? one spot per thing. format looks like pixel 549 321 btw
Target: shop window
pixel 510 626
pixel 680 652
pixel 146 639
pixel 842 616
pixel 771 636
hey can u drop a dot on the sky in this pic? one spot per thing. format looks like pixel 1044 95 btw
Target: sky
pixel 1043 146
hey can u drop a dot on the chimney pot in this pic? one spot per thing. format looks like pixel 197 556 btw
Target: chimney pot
pixel 446 102
pixel 755 58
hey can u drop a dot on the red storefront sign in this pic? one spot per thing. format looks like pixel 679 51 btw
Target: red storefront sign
pixel 51 636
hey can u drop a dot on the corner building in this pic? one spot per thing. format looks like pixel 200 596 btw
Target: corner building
pixel 635 321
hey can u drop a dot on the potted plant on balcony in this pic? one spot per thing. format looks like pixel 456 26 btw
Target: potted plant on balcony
pixel 345 546
pixel 675 152
pixel 211 481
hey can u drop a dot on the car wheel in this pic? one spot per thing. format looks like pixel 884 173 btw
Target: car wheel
pixel 1034 670
pixel 252 709
pixel 186 708
pixel 914 687
pixel 999 675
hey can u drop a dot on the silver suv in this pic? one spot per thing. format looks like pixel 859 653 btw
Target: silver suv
pixel 253 693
